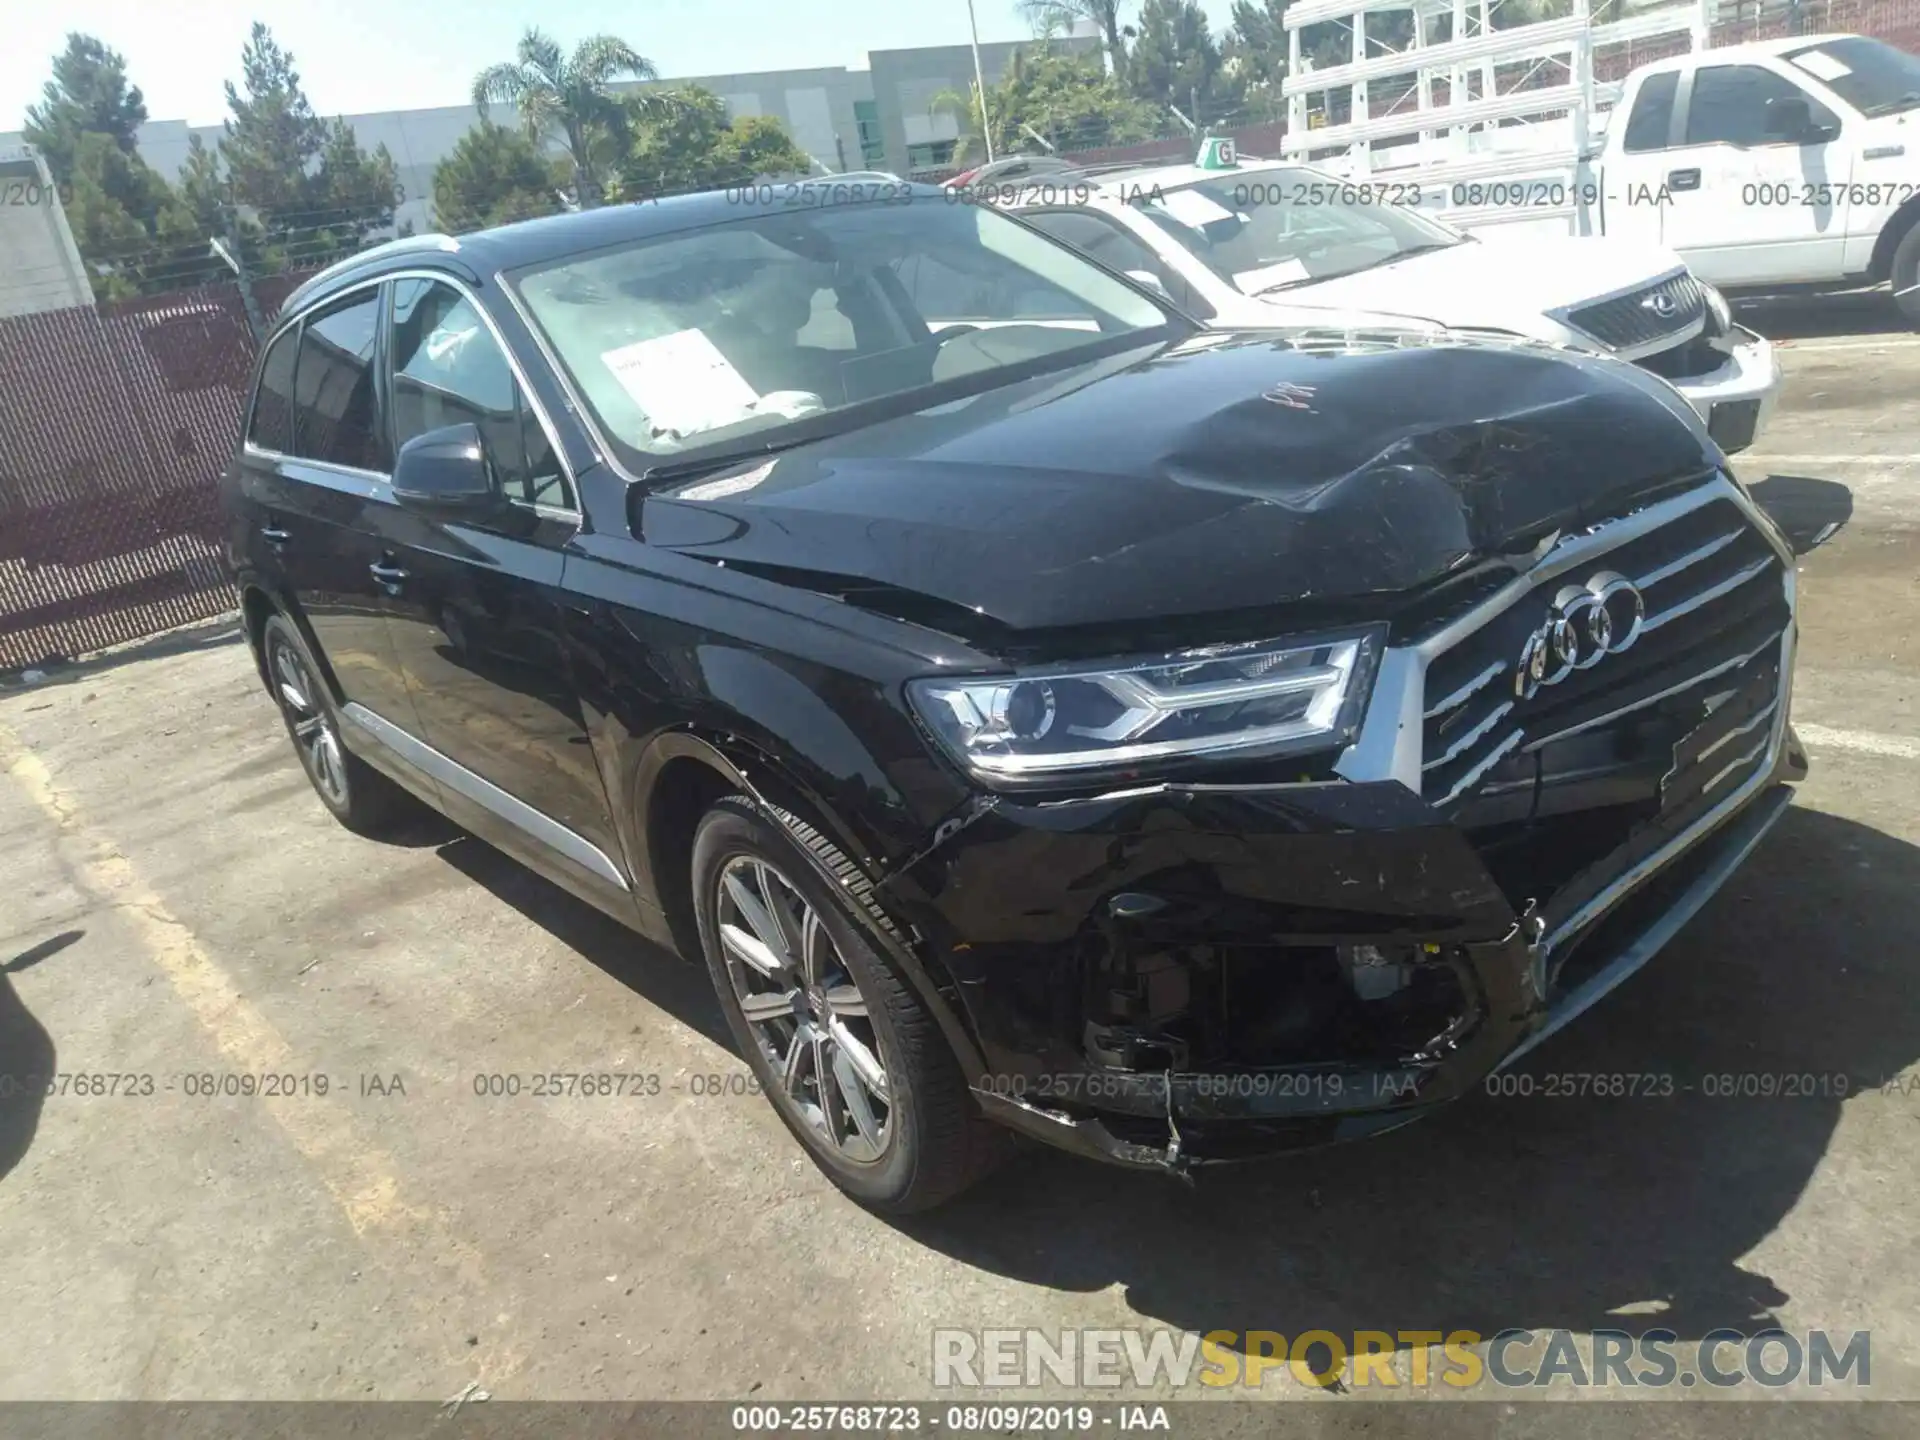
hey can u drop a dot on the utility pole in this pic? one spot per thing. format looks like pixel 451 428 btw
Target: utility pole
pixel 980 82
pixel 231 255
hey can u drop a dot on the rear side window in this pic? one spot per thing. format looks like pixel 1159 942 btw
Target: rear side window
pixel 272 427
pixel 1652 117
pixel 336 415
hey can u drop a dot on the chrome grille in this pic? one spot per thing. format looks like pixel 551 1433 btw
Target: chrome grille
pixel 1628 321
pixel 1716 610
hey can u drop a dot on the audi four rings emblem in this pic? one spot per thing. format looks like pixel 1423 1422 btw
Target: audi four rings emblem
pixel 1586 624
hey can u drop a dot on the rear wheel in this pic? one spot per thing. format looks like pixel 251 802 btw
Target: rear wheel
pixel 841 1044
pixel 1906 275
pixel 360 797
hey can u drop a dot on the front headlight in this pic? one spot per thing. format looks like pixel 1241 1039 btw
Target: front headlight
pixel 1720 314
pixel 1270 698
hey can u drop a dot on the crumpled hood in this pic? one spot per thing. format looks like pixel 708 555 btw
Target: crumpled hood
pixel 1499 282
pixel 1226 473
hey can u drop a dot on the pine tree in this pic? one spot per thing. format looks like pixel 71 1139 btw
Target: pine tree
pixel 134 233
pixel 495 175
pixel 1175 61
pixel 313 193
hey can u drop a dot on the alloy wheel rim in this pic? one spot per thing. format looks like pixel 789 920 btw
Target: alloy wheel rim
pixel 804 1008
pixel 312 727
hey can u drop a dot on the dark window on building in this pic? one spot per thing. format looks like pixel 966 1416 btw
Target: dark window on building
pixel 1652 118
pixel 336 418
pixel 449 370
pixel 1729 106
pixel 272 427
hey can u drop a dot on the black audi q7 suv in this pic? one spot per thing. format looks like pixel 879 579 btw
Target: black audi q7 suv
pixel 1040 714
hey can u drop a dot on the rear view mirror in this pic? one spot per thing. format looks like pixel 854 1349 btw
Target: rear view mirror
pixel 447 469
pixel 1789 117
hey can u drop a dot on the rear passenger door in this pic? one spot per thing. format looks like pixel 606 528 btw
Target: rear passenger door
pixel 477 611
pixel 315 468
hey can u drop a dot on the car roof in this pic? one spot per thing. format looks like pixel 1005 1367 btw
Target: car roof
pixel 554 237
pixel 1755 49
pixel 1169 177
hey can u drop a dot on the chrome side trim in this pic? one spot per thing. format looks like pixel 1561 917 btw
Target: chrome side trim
pixel 483 792
pixel 1655 937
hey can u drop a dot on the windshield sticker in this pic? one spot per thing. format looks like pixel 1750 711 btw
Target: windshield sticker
pixel 1190 207
pixel 682 382
pixel 1821 65
pixel 1252 282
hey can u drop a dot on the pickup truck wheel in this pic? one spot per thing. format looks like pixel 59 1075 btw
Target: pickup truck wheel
pixel 1906 275
pixel 839 1042
pixel 360 797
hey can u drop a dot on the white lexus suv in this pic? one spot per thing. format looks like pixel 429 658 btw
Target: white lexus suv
pixel 1253 243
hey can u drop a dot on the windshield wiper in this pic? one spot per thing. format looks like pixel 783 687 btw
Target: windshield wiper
pixel 1421 249
pixel 668 472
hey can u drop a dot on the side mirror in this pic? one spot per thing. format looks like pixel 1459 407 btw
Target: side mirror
pixel 1789 117
pixel 1148 280
pixel 447 470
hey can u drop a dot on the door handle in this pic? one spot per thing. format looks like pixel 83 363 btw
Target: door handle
pixel 1683 179
pixel 391 577
pixel 274 535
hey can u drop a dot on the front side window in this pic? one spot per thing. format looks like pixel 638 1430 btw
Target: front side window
pixel 449 370
pixel 1729 106
pixel 336 418
pixel 1870 75
pixel 272 424
pixel 1652 119
pixel 697 340
pixel 1269 230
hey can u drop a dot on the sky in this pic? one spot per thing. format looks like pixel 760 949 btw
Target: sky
pixel 373 55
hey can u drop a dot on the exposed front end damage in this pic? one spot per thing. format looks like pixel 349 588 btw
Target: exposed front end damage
pixel 1177 973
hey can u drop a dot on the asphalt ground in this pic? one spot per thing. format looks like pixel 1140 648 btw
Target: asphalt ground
pixel 175 904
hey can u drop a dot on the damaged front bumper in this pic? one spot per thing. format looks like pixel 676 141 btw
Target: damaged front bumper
pixel 1184 973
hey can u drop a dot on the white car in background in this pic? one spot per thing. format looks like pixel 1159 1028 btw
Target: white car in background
pixel 1254 244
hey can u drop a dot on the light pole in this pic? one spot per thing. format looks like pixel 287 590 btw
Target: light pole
pixel 980 82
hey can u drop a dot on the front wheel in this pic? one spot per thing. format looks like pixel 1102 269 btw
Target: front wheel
pixel 1906 275
pixel 842 1045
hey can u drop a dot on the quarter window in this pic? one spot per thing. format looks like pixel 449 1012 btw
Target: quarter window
pixel 1729 105
pixel 1652 117
pixel 272 427
pixel 335 416
pixel 449 370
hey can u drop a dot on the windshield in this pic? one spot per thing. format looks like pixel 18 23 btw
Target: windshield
pixel 720 338
pixel 1870 75
pixel 1272 229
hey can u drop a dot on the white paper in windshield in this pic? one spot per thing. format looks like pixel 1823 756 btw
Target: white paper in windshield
pixel 682 382
pixel 1190 207
pixel 1822 65
pixel 1252 282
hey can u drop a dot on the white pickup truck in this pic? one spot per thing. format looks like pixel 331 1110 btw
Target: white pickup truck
pixel 1778 163
pixel 1768 166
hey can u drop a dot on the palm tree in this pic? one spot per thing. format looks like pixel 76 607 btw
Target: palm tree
pixel 567 95
pixel 1051 16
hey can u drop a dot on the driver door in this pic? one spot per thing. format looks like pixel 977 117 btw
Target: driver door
pixel 1747 205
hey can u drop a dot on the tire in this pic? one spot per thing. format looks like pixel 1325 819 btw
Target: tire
pixel 359 796
pixel 1906 275
pixel 827 1001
